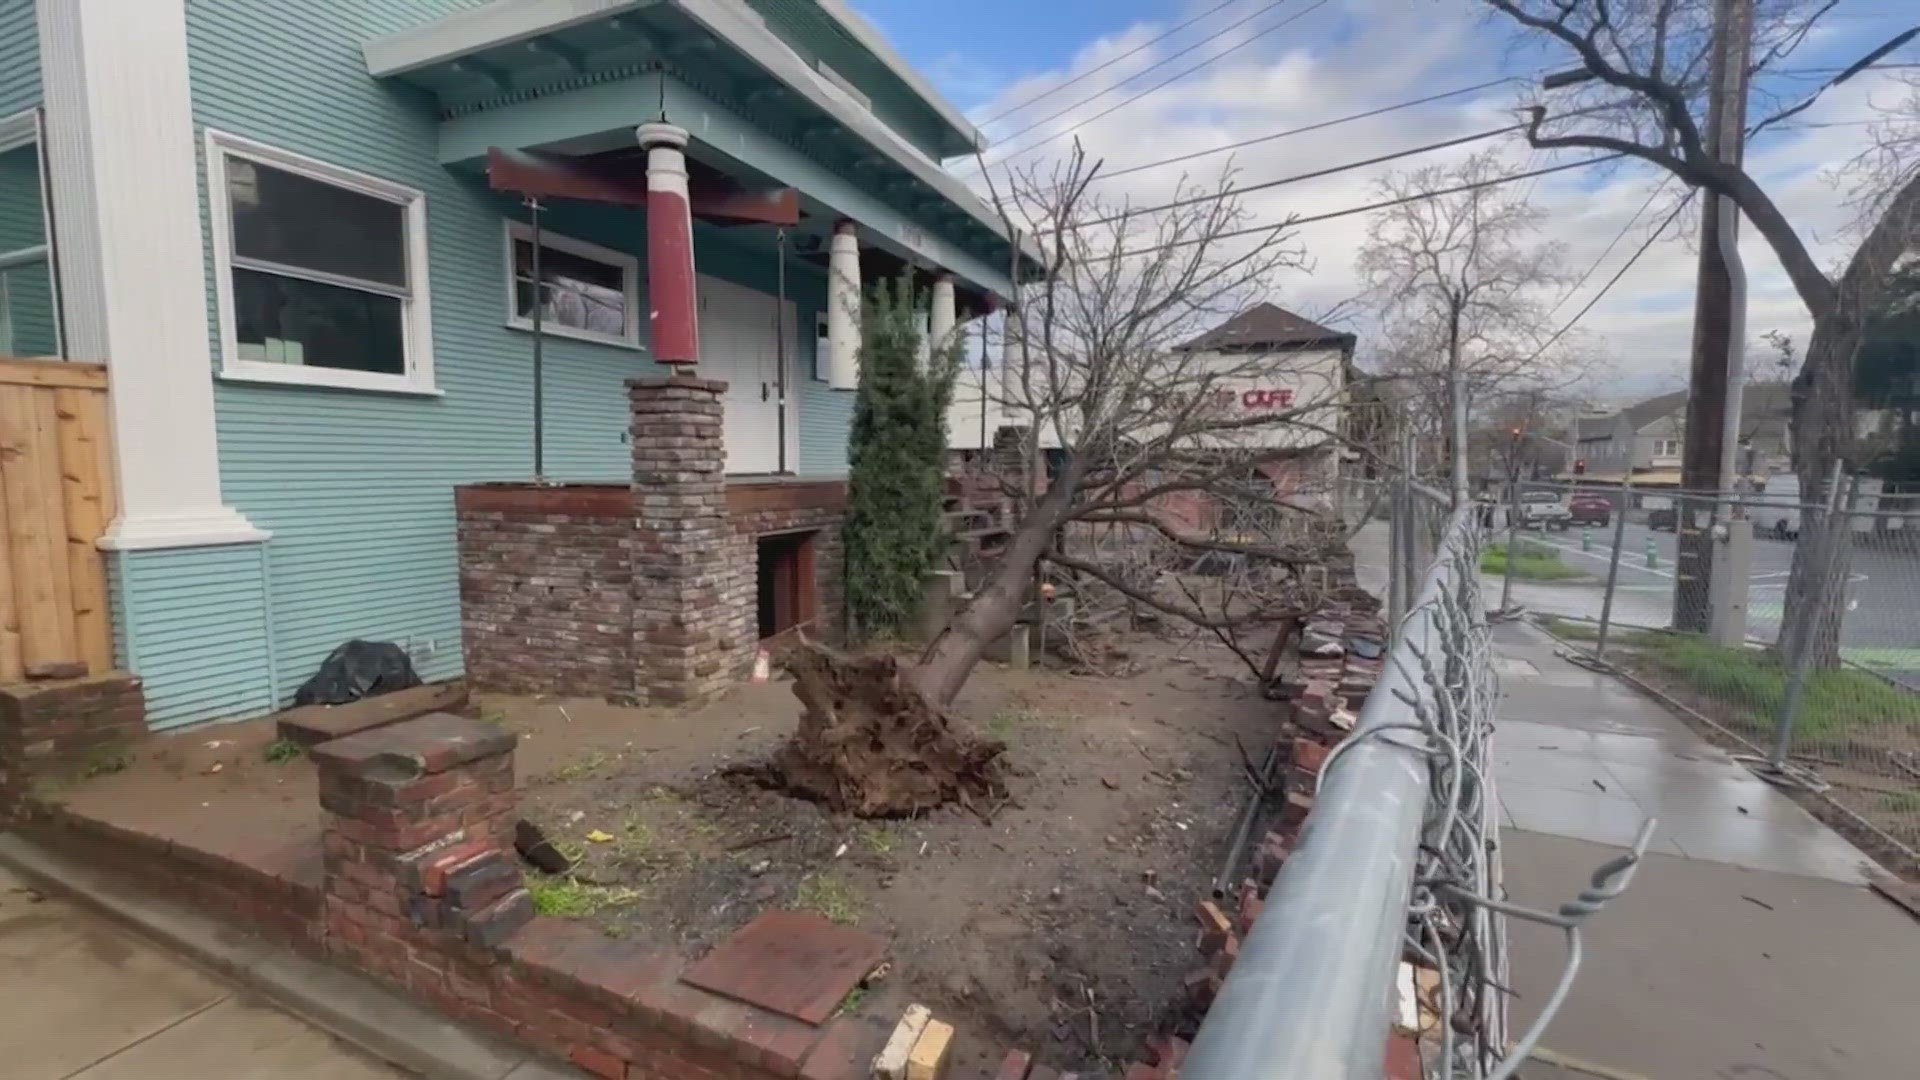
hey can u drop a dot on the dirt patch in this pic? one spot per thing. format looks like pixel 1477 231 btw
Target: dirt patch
pixel 1058 917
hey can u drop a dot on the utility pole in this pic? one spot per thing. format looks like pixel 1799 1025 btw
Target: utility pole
pixel 1713 400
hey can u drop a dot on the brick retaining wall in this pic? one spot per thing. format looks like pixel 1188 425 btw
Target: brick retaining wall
pixel 53 725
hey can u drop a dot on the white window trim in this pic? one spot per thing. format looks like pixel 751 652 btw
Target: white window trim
pixel 628 265
pixel 416 310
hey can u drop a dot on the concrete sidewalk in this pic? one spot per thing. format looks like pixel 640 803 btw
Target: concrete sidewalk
pixel 84 999
pixel 1746 949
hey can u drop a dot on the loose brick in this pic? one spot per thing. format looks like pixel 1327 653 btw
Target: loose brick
pixel 1293 813
pixel 891 1064
pixel 1215 928
pixel 928 1060
pixel 490 927
pixel 1014 1066
pixel 598 1062
pixel 1229 952
pixel 1308 757
pixel 433 873
pixel 845 1052
pixel 482 880
pixel 1250 906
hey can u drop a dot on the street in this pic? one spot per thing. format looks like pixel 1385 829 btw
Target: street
pixel 1883 591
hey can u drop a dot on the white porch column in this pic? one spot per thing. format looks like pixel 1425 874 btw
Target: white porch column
pixel 843 308
pixel 126 208
pixel 942 318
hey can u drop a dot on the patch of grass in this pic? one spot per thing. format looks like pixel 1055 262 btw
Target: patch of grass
pixel 281 751
pixel 572 899
pixel 586 766
pixel 828 895
pixel 880 839
pixel 1753 682
pixel 1532 562
pixel 1006 721
pixel 106 761
pixel 1901 802
pixel 1570 629
pixel 634 842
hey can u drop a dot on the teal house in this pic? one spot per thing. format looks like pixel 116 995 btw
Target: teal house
pixel 311 242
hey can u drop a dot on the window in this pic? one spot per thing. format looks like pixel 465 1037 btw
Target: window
pixel 29 296
pixel 586 291
pixel 322 272
pixel 1666 448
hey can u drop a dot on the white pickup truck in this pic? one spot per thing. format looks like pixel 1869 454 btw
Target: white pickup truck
pixel 1544 510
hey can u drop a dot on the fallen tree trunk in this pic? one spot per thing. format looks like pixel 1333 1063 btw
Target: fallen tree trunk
pixel 871 744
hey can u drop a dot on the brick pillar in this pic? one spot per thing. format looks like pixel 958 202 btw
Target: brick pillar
pixel 684 641
pixel 418 821
pixel 54 726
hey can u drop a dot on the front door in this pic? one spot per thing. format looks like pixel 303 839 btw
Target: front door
pixel 739 343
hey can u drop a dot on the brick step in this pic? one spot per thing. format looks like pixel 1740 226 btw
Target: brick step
pixel 310 725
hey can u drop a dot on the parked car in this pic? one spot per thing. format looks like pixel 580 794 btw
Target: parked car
pixel 1543 510
pixel 1664 517
pixel 1590 508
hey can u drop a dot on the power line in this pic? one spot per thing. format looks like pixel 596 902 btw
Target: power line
pixel 1314 175
pixel 1043 95
pixel 1369 207
pixel 1614 280
pixel 1164 83
pixel 1368 114
pixel 1611 244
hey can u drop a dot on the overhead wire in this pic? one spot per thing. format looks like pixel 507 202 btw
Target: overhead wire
pixel 1090 72
pixel 1156 87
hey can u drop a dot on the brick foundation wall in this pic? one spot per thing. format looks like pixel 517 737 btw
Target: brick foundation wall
pixel 546 602
pixel 644 594
pixel 49 725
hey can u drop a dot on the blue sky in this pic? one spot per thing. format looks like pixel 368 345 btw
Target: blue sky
pixel 1342 56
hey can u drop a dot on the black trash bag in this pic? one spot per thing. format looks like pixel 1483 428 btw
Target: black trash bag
pixel 356 670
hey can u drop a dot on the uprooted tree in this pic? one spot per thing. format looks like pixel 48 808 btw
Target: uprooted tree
pixel 1190 479
pixel 1184 474
pixel 1641 91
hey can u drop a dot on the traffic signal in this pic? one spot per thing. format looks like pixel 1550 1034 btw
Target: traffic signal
pixel 1579 466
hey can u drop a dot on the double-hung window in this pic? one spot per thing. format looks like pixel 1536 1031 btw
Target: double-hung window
pixel 322 271
pixel 586 291
pixel 29 296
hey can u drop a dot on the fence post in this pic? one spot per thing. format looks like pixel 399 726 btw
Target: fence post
pixel 1398 529
pixel 1836 527
pixel 1613 565
pixel 1513 544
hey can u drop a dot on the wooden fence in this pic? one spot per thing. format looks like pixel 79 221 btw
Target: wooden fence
pixel 56 497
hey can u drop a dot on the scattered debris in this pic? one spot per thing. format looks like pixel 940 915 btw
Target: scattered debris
pixel 1756 901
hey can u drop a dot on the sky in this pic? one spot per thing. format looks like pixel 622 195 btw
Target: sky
pixel 1333 58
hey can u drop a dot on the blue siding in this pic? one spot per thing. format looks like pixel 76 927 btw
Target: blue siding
pixel 196 621
pixel 356 487
pixel 19 57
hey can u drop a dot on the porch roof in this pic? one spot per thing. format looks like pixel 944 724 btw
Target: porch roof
pixel 747 95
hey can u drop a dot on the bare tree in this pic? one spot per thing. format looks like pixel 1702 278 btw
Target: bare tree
pixel 1464 283
pixel 1134 462
pixel 1644 95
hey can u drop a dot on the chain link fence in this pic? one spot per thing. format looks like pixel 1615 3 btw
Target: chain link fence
pixel 1391 913
pixel 1789 629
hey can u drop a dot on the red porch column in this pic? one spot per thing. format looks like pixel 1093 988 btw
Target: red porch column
pixel 670 283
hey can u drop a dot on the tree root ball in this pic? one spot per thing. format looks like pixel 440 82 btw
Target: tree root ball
pixel 870 744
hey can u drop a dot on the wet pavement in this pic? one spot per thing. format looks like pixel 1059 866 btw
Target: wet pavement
pixel 1746 949
pixel 82 999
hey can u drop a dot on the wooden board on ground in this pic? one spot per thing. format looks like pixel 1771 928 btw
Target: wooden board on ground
pixel 794 963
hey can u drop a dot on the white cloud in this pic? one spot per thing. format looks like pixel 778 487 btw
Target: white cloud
pixel 1351 56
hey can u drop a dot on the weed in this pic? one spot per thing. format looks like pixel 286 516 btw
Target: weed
pixel 635 841
pixel 581 769
pixel 281 751
pixel 879 839
pixel 573 899
pixel 1901 802
pixel 828 895
pixel 1571 630
pixel 851 1003
pixel 106 761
